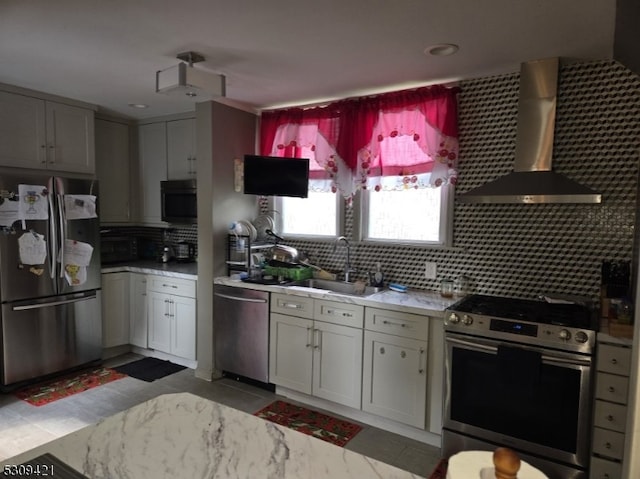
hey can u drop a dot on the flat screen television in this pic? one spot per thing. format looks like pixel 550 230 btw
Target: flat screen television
pixel 276 176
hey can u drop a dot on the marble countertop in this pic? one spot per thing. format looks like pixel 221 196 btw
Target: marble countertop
pixel 183 435
pixel 172 269
pixel 413 301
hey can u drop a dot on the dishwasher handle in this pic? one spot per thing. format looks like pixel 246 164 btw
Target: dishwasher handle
pixel 240 298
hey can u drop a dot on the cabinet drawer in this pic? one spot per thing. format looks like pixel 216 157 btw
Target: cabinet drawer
pixel 179 287
pixel 610 416
pixel 339 313
pixel 608 443
pixel 614 359
pixel 406 325
pixel 292 305
pixel 603 469
pixel 612 388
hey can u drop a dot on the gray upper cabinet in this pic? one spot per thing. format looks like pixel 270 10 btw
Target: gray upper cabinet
pixel 113 171
pixel 181 149
pixel 45 135
pixel 152 169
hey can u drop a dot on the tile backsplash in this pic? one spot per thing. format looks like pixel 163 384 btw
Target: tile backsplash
pixel 528 250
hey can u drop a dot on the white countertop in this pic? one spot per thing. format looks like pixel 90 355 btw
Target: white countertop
pixel 413 301
pixel 186 436
pixel 172 269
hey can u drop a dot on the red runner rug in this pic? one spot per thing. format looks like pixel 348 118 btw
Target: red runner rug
pixel 440 471
pixel 307 421
pixel 49 391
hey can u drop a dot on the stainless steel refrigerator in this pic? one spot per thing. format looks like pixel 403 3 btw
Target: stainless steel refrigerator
pixel 49 276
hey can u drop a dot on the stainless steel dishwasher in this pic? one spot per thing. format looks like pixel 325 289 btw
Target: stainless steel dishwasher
pixel 241 330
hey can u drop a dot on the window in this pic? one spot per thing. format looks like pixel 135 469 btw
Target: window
pixel 318 215
pixel 415 216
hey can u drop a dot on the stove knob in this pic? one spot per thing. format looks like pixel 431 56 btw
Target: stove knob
pixel 467 320
pixel 453 318
pixel 581 337
pixel 564 335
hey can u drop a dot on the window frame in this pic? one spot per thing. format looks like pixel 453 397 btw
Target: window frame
pixel 274 205
pixel 361 213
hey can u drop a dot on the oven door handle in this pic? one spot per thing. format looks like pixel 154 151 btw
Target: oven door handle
pixel 544 357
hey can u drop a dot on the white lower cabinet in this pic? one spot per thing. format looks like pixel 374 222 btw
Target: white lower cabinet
pixel 172 316
pixel 138 310
pixel 115 309
pixel 320 358
pixel 395 366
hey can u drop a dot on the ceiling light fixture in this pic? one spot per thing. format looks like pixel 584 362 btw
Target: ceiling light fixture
pixel 184 79
pixel 442 49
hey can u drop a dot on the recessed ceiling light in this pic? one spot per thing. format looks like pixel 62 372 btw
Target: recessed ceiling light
pixel 442 49
pixel 138 105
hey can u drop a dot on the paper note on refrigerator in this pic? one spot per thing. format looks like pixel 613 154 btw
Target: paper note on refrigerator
pixel 32 248
pixel 79 207
pixel 76 257
pixel 9 212
pixel 34 202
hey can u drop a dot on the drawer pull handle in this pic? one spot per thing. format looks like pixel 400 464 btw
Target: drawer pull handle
pixel 610 418
pixel 292 305
pixel 169 286
pixel 332 312
pixel 607 445
pixel 612 389
pixel 382 351
pixel 614 361
pixel 402 325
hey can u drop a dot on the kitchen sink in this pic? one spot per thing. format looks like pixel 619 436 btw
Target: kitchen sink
pixel 353 289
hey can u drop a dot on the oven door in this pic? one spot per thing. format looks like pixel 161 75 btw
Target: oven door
pixel 531 399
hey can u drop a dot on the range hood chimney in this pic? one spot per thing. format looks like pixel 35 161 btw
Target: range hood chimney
pixel 532 180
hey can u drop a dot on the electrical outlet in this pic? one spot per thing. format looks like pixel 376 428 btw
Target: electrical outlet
pixel 430 270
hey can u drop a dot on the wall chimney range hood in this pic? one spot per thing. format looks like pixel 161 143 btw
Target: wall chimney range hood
pixel 532 179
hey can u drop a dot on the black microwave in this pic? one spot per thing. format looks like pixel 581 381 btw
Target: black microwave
pixel 179 201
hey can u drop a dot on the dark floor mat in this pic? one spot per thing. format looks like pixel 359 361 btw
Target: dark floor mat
pixel 149 369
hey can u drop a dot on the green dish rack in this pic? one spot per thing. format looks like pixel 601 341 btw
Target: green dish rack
pixel 296 273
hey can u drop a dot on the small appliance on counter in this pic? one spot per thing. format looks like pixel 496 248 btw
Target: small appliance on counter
pixel 185 252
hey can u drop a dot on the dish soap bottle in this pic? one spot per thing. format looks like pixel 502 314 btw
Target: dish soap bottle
pixel 377 277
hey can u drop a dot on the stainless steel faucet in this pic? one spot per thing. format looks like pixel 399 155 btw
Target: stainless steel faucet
pixel 347 263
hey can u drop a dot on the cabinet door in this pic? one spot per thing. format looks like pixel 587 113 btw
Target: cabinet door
pixel 138 310
pixel 152 143
pixel 183 327
pixel 115 309
pixel 70 138
pixel 337 363
pixel 394 381
pixel 22 131
pixel 159 321
pixel 181 149
pixel 290 355
pixel 112 166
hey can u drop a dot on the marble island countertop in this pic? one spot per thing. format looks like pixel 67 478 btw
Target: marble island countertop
pixel 172 269
pixel 185 436
pixel 413 301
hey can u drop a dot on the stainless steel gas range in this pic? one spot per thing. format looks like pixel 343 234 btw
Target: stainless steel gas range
pixel 519 374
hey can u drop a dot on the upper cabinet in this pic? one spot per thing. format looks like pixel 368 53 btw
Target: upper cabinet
pixel 42 134
pixel 113 171
pixel 152 169
pixel 181 149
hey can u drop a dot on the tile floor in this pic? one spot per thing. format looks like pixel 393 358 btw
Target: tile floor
pixel 23 426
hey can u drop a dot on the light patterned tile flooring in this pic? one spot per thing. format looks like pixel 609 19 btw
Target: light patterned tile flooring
pixel 23 426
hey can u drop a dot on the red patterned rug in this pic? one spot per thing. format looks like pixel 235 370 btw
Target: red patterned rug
pixel 49 391
pixel 313 423
pixel 440 471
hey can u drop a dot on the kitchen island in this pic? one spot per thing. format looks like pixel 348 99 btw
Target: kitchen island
pixel 185 436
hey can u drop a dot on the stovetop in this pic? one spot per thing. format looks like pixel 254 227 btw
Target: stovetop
pixel 565 326
pixel 560 314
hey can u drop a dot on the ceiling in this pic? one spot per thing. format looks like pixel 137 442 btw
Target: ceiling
pixel 283 52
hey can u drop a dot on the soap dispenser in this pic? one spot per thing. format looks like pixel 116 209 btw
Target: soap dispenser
pixel 377 277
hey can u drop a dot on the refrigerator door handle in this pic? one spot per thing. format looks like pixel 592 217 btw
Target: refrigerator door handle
pixel 48 304
pixel 53 237
pixel 63 233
